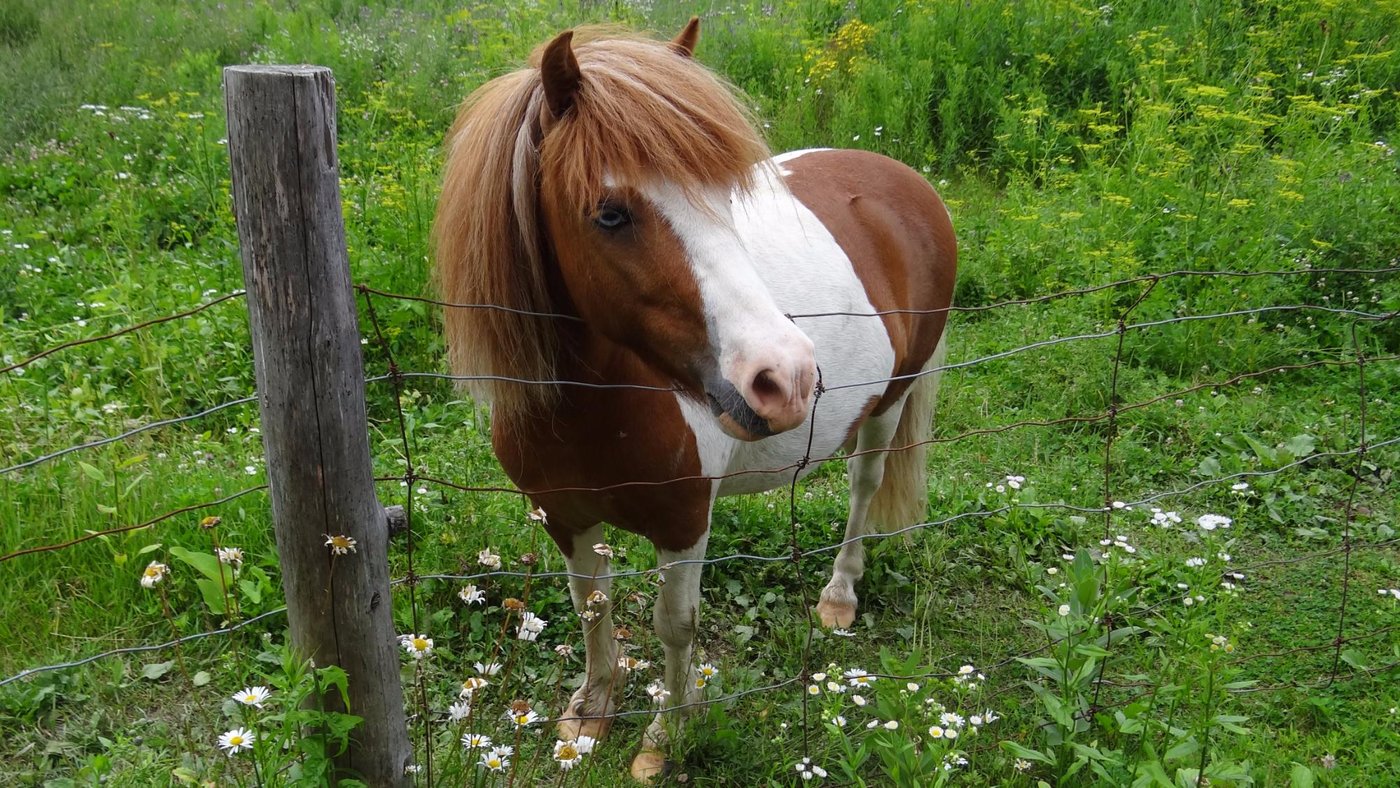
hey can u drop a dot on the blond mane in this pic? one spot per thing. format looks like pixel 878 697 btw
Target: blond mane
pixel 642 112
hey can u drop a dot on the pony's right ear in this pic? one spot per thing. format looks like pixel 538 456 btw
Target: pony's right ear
pixel 560 74
pixel 684 42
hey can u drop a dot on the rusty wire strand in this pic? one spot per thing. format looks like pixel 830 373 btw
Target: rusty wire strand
pixel 119 332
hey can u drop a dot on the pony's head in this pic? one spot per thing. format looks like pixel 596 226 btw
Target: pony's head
pixel 598 183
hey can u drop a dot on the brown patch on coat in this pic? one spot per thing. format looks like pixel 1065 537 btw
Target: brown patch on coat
pixel 892 225
pixel 597 438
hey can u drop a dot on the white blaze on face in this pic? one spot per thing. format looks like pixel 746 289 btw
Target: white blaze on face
pixel 767 360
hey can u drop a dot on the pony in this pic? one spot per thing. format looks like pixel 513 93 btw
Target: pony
pixel 635 252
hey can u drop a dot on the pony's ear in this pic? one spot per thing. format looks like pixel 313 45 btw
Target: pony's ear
pixel 560 74
pixel 685 41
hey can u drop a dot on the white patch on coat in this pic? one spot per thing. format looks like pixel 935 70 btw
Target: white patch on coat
pixel 766 251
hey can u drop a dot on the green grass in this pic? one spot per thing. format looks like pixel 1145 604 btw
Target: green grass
pixel 1076 143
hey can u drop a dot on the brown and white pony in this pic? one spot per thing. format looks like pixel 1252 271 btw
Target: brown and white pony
pixel 619 183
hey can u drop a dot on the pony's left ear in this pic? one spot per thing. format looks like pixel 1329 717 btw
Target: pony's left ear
pixel 685 41
pixel 560 74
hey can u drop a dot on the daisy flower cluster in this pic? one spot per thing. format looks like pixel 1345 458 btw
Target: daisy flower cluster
pixel 239 739
pixel 704 675
pixel 1008 484
pixel 520 714
pixel 900 711
pixel 1012 482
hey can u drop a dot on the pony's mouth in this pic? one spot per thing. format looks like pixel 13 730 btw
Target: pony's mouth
pixel 735 416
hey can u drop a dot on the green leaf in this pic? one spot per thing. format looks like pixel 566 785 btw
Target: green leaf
pixel 92 472
pixel 1119 635
pixel 1300 445
pixel 1045 666
pixel 251 590
pixel 127 489
pixel 1353 658
pixel 1153 774
pixel 1300 776
pixel 1020 751
pixel 213 594
pixel 105 509
pixel 1087 751
pixel 150 548
pixel 155 670
pixel 201 678
pixel 206 564
pixel 1261 450
pixel 135 459
pixel 1183 749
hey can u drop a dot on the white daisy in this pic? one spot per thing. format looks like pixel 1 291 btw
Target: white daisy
pixel 419 646
pixel 252 696
pixel 236 740
pixel 474 741
pixel 567 754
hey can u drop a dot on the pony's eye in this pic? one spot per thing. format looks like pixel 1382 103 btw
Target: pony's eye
pixel 611 217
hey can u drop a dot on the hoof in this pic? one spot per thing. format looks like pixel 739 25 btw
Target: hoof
pixel 836 614
pixel 649 765
pixel 578 721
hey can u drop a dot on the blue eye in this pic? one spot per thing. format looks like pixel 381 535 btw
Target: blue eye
pixel 611 217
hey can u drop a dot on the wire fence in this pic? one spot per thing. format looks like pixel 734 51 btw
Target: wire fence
pixel 1108 692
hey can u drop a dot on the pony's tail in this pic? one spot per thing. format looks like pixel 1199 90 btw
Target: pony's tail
pixel 902 499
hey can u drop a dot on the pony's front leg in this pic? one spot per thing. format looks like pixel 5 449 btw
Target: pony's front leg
pixel 675 617
pixel 589 712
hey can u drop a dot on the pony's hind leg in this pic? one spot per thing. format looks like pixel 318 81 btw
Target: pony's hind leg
pixel 590 709
pixel 675 616
pixel 837 605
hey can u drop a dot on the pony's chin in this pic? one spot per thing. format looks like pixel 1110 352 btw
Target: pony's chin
pixel 734 430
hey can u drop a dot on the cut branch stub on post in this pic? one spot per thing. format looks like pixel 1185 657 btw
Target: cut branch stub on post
pixel 310 375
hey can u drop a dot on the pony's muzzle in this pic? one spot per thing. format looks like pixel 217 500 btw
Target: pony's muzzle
pixel 768 398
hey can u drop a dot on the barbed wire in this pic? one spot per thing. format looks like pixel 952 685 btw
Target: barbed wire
pixel 1114 332
pixel 1135 280
pixel 48 548
pixel 119 332
pixel 840 457
pixel 24 674
pixel 676 389
pixel 129 433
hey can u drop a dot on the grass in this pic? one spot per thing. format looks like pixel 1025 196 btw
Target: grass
pixel 1076 144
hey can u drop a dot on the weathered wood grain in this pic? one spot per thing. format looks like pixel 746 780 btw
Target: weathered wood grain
pixel 310 375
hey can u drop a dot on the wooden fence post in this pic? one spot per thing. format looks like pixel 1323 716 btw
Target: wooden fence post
pixel 310 375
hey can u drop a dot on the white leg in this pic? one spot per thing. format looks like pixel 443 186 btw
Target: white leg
pixel 675 617
pixel 837 606
pixel 589 709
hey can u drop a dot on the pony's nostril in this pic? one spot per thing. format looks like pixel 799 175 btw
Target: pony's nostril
pixel 766 389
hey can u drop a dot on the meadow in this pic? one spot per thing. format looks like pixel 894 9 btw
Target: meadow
pixel 1235 622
